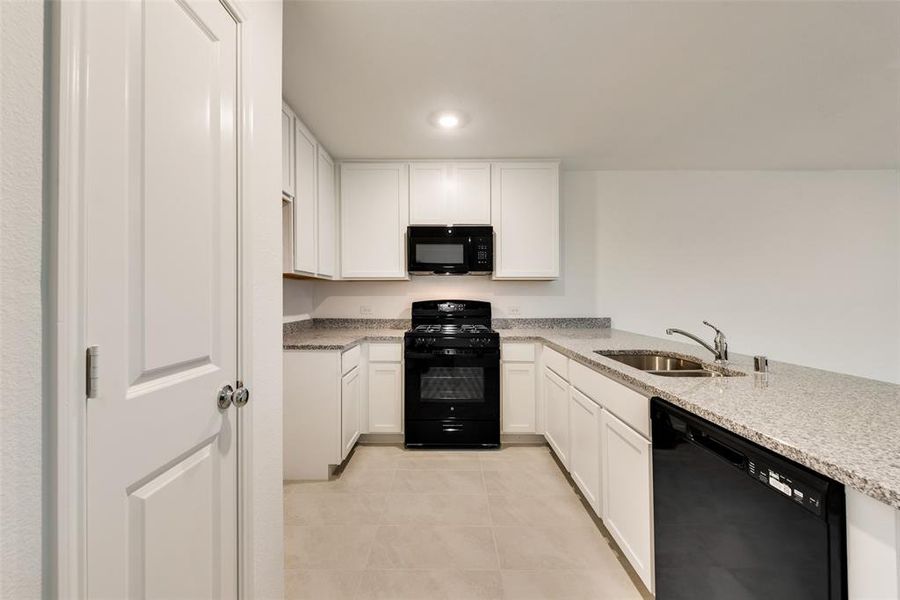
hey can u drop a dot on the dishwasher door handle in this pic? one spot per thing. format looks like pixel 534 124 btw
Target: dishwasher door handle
pixel 721 449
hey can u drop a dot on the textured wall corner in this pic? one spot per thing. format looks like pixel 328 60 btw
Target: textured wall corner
pixel 21 214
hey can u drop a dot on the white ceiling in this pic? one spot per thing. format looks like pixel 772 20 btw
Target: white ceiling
pixel 623 85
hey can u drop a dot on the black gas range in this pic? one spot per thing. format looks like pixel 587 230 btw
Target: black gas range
pixel 452 376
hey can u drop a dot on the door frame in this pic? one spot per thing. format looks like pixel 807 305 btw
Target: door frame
pixel 65 429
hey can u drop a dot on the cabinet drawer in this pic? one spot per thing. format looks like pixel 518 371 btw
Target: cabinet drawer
pixel 349 359
pixel 385 352
pixel 516 352
pixel 629 406
pixel 557 362
pixel 588 381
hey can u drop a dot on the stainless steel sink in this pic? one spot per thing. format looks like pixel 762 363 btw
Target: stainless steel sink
pixel 667 365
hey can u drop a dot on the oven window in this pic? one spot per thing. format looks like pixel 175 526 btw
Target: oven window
pixel 440 254
pixel 452 384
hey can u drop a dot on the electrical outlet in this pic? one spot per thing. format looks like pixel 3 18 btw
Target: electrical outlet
pixel 514 311
pixel 365 310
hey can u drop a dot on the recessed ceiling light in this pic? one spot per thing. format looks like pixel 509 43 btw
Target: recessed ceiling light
pixel 448 119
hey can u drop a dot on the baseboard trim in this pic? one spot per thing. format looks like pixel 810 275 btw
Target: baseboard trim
pixel 391 439
pixel 507 439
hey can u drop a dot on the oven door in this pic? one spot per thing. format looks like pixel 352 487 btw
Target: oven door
pixel 453 384
pixel 429 255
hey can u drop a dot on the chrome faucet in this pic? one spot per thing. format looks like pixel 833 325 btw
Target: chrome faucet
pixel 720 344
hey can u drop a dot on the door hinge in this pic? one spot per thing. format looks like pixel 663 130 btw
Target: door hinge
pixel 92 371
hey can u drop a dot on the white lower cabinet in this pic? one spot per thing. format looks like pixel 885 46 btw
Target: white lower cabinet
pixel 322 404
pixel 626 461
pixel 556 414
pixel 518 408
pixel 312 413
pixel 350 400
pixel 518 394
pixel 385 397
pixel 584 447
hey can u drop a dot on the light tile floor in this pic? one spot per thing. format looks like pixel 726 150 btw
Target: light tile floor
pixel 417 525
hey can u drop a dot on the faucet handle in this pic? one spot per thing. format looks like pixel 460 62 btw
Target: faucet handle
pixel 708 324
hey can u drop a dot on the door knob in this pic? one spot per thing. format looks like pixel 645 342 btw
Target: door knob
pixel 226 396
pixel 241 395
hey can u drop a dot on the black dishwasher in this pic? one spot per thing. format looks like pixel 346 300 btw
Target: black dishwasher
pixel 735 521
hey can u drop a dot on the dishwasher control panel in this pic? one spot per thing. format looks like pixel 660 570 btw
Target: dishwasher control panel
pixel 798 491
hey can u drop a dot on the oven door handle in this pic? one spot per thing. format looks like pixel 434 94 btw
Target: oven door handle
pixel 449 352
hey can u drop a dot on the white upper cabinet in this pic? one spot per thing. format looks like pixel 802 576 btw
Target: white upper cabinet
pixel 450 193
pixel 310 214
pixel 374 217
pixel 326 214
pixel 471 187
pixel 428 194
pixel 525 216
pixel 287 152
pixel 305 201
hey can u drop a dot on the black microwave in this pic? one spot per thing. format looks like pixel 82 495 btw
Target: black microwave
pixel 466 250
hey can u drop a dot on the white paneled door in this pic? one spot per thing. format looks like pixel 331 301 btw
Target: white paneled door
pixel 160 193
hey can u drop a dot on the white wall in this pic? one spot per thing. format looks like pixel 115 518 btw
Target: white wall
pixel 21 330
pixel 262 190
pixel 801 266
pixel 573 294
pixel 298 299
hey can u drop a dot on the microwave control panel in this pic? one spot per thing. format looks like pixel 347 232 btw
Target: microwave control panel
pixel 483 259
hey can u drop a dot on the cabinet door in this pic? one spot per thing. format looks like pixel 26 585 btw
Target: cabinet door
pixel 627 504
pixel 327 227
pixel 525 216
pixel 556 405
pixel 374 216
pixel 287 153
pixel 305 201
pixel 428 186
pixel 471 194
pixel 584 447
pixel 385 398
pixel 350 398
pixel 518 387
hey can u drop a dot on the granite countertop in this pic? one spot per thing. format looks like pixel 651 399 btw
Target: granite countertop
pixel 845 427
pixel 338 338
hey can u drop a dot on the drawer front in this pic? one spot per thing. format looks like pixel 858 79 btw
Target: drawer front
pixel 558 363
pixel 517 352
pixel 623 402
pixel 390 352
pixel 588 381
pixel 349 359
